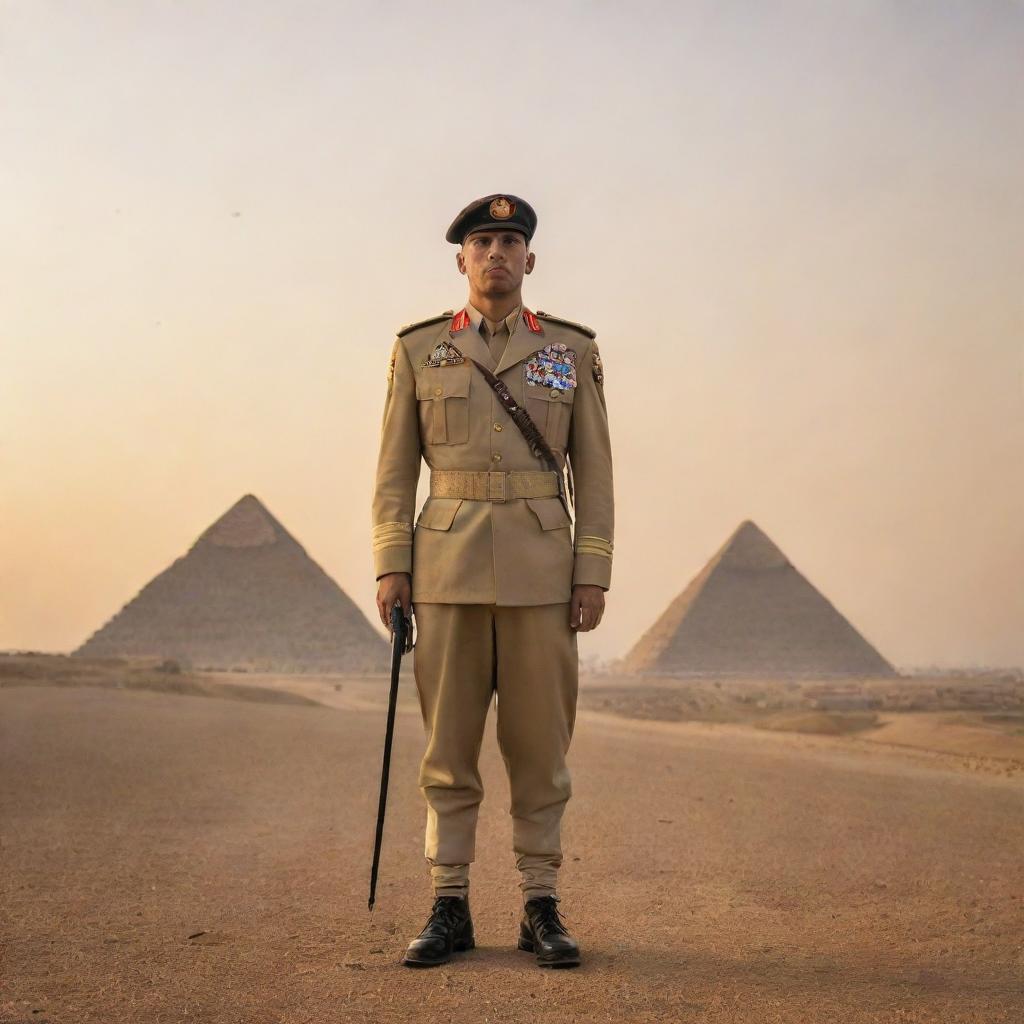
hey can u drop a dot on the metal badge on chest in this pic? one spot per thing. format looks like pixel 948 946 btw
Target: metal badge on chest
pixel 444 355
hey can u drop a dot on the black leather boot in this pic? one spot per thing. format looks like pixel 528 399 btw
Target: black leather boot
pixel 543 932
pixel 450 929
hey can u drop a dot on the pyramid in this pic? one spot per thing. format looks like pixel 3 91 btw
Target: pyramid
pixel 749 612
pixel 245 595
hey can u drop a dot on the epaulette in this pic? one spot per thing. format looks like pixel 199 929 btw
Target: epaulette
pixel 425 323
pixel 582 328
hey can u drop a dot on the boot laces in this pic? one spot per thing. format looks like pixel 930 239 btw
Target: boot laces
pixel 446 910
pixel 547 916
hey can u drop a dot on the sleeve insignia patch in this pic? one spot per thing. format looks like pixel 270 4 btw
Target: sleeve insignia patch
pixel 553 366
pixel 443 355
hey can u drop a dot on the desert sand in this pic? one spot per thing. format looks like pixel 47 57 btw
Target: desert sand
pixel 174 853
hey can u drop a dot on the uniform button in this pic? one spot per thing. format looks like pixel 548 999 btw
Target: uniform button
pixel 496 457
pixel 498 427
pixel 554 392
pixel 437 391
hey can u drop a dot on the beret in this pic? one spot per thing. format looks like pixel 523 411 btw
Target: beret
pixel 505 212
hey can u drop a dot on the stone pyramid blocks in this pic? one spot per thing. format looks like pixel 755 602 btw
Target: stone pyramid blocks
pixel 750 612
pixel 245 595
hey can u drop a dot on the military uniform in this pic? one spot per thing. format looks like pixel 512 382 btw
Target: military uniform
pixel 493 559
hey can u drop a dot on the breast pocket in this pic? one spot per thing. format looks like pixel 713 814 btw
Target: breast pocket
pixel 443 394
pixel 551 410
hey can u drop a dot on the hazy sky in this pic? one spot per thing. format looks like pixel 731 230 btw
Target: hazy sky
pixel 798 229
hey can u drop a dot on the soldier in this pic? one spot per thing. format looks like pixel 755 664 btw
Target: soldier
pixel 499 584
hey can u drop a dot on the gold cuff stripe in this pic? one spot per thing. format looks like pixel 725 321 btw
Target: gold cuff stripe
pixel 593 551
pixel 388 528
pixel 380 545
pixel 593 546
pixel 392 535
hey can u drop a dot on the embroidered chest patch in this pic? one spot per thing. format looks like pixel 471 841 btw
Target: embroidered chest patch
pixel 443 355
pixel 554 366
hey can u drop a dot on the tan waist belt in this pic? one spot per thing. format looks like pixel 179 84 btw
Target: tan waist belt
pixel 493 486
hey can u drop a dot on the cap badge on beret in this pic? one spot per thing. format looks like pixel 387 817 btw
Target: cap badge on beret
pixel 502 208
pixel 496 212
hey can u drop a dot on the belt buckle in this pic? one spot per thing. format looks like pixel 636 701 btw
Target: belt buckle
pixel 497 485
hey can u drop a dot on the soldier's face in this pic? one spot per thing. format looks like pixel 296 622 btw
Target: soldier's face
pixel 495 261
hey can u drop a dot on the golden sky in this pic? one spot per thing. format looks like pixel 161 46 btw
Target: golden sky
pixel 797 227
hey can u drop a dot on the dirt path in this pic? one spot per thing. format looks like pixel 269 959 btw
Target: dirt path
pixel 710 875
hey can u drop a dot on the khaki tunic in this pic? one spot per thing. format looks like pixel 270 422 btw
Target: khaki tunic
pixel 514 552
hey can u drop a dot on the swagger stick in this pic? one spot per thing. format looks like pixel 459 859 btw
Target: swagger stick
pixel 399 627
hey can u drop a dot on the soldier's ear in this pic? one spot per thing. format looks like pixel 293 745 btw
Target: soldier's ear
pixel 530 260
pixel 460 262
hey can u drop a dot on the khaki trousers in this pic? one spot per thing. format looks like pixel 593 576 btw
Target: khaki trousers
pixel 464 654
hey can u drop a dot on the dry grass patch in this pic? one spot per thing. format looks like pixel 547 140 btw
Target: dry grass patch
pixel 820 723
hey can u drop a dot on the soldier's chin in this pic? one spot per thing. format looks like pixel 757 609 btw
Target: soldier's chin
pixel 498 284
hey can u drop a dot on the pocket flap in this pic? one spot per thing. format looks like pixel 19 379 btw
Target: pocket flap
pixel 549 511
pixel 439 513
pixel 443 382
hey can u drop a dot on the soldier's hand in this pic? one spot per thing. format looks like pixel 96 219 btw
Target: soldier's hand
pixel 587 607
pixel 394 586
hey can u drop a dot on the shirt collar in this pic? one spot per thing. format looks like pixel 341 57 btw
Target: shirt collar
pixel 476 317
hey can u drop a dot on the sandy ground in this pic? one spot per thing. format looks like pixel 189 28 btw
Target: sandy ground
pixel 181 857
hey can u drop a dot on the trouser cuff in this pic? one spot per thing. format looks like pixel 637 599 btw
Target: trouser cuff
pixel 532 891
pixel 539 873
pixel 450 879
